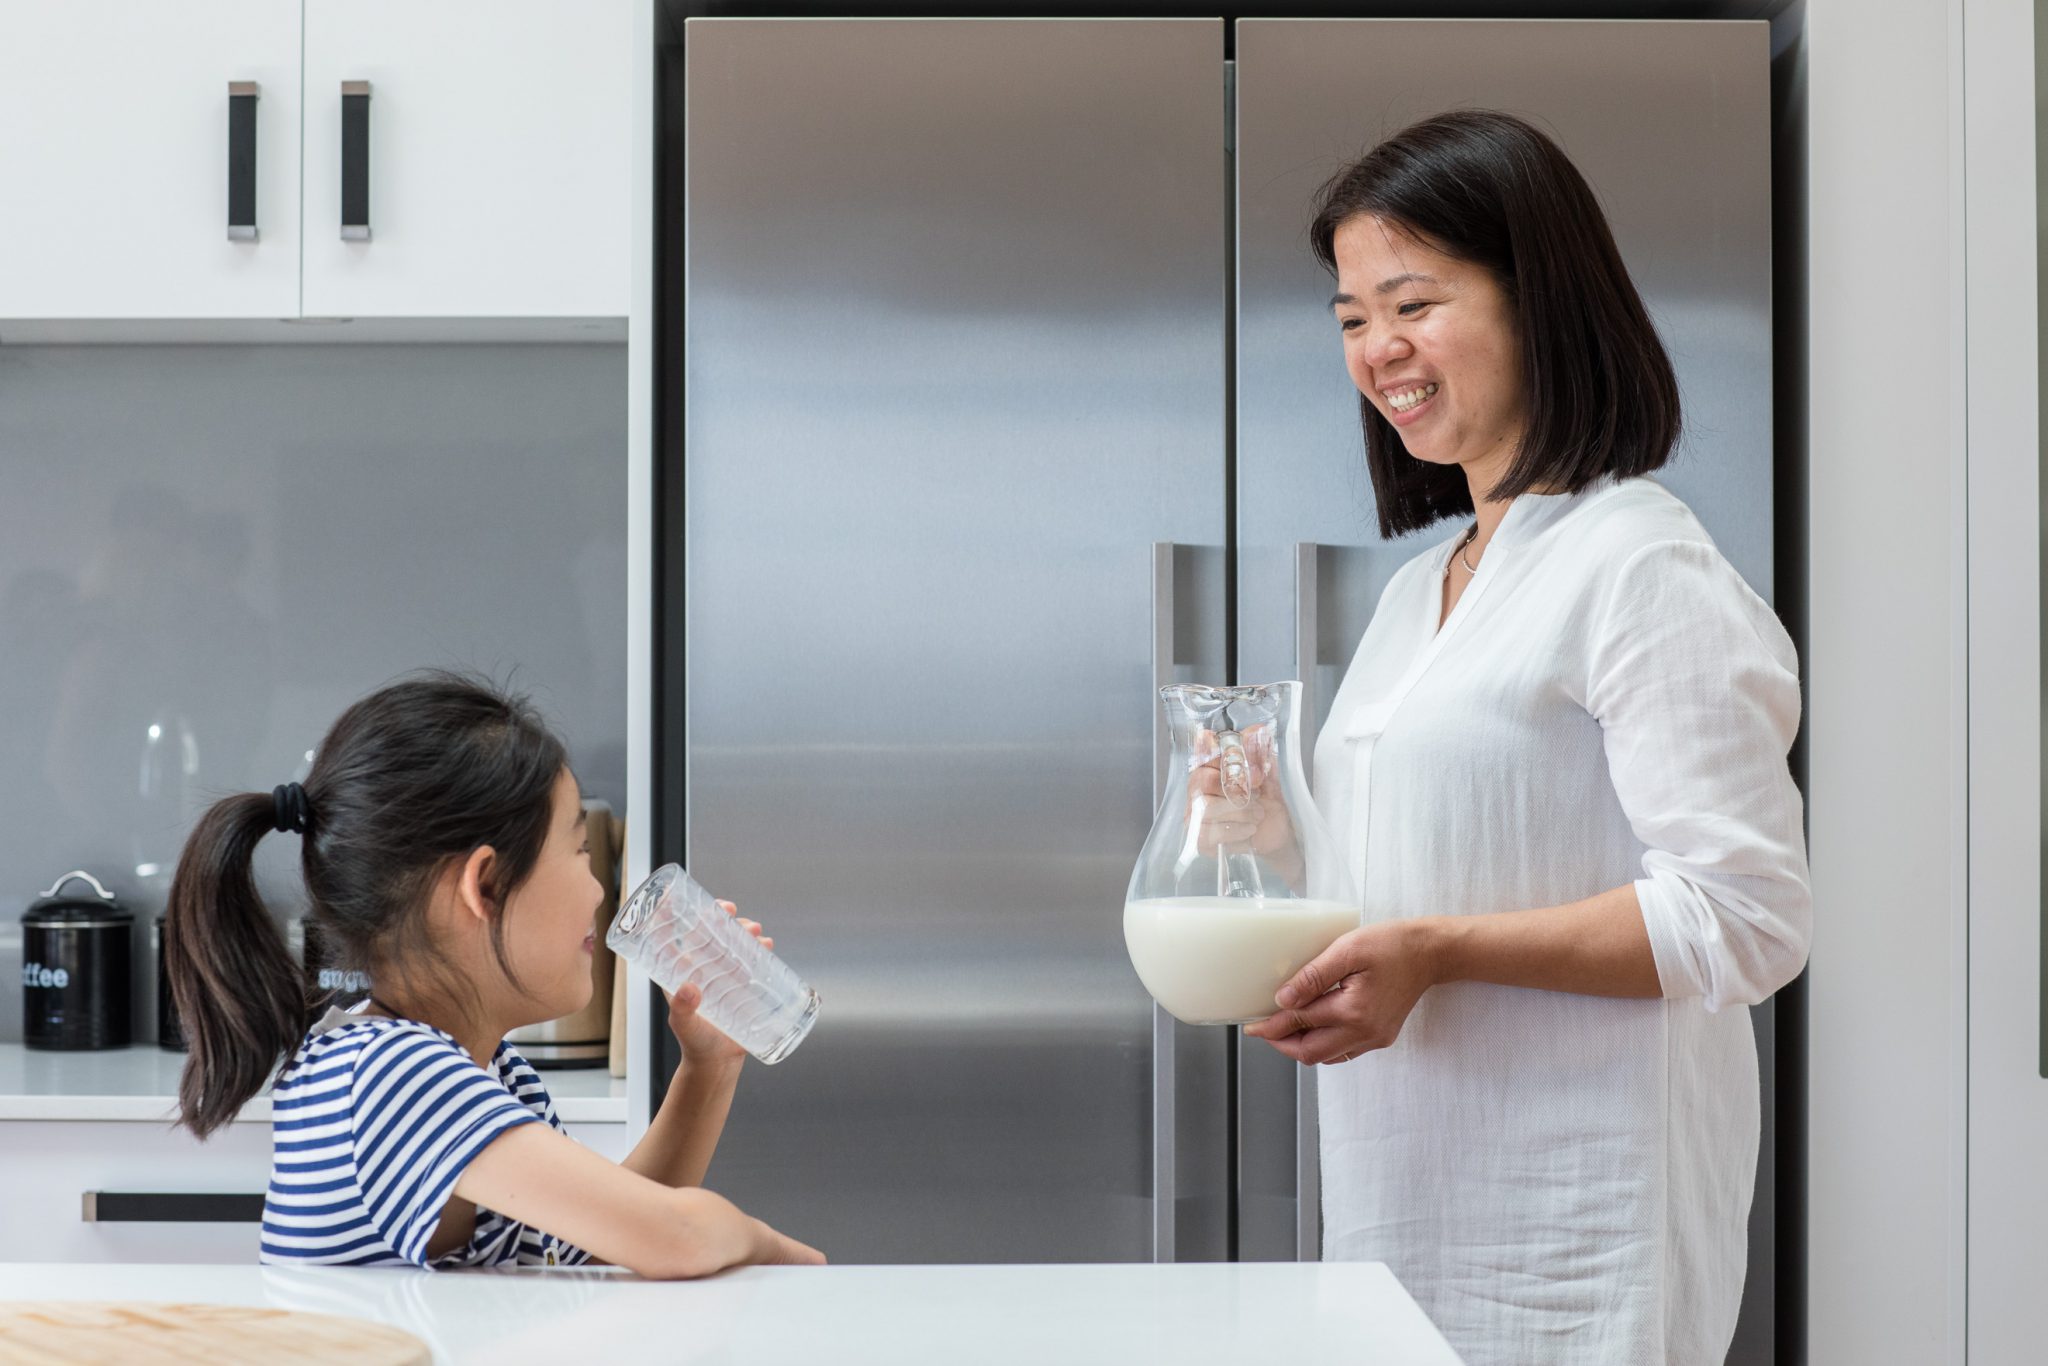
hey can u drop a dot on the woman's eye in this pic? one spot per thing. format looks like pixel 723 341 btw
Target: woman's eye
pixel 1351 324
pixel 1410 309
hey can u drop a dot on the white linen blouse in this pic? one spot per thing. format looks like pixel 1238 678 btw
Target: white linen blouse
pixel 1554 1177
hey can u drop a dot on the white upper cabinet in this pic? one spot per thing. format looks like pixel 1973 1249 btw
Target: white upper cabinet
pixel 498 160
pixel 114 159
pixel 495 164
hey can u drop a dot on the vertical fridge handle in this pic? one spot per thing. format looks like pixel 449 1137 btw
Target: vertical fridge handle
pixel 1164 1176
pixel 355 161
pixel 1307 628
pixel 242 97
pixel 1308 1185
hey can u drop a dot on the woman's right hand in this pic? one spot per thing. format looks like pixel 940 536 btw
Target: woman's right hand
pixel 1245 812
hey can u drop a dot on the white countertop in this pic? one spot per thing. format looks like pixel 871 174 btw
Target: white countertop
pixel 141 1084
pixel 1202 1314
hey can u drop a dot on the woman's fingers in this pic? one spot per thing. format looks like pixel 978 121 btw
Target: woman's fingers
pixel 1318 1046
pixel 1321 973
pixel 1280 1024
pixel 1324 1012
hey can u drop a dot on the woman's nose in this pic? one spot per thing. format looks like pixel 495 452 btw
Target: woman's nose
pixel 1389 346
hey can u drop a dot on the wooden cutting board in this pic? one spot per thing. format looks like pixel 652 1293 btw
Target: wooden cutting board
pixel 91 1332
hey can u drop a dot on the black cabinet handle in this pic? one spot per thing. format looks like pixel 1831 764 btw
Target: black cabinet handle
pixel 242 96
pixel 171 1207
pixel 355 161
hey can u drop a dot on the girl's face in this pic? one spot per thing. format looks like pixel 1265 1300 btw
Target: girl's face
pixel 550 922
pixel 1431 341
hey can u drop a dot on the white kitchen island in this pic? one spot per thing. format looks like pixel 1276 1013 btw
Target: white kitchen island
pixel 1118 1315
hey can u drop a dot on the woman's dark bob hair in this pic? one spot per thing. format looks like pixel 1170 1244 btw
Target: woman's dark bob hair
pixel 1490 189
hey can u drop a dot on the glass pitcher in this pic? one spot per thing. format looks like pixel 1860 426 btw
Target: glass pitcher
pixel 1239 884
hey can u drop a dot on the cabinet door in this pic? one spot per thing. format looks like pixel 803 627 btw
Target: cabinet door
pixel 114 154
pixel 498 155
pixel 52 1164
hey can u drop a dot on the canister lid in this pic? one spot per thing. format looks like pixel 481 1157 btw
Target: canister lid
pixel 96 907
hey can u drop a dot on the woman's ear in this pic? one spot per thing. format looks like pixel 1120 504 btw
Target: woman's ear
pixel 473 883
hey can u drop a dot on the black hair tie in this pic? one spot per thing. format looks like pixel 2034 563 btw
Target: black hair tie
pixel 289 809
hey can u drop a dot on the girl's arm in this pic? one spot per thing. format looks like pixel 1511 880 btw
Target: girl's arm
pixel 676 1149
pixel 545 1179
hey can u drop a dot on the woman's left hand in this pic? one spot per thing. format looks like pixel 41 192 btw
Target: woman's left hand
pixel 1354 996
pixel 702 1041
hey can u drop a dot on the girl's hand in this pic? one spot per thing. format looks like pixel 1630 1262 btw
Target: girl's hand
pixel 1354 996
pixel 779 1249
pixel 702 1041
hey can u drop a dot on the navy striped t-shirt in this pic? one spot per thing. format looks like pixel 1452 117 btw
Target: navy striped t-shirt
pixel 373 1120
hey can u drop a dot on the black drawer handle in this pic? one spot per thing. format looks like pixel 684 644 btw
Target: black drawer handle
pixel 355 161
pixel 242 96
pixel 171 1207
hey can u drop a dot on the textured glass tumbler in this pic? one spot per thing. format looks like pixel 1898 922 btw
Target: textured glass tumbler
pixel 676 932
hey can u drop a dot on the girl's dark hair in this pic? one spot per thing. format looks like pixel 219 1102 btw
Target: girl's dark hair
pixel 412 777
pixel 1490 189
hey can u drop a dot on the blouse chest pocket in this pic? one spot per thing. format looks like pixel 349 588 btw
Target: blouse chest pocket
pixel 1368 720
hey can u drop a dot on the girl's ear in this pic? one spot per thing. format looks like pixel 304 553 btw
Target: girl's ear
pixel 473 884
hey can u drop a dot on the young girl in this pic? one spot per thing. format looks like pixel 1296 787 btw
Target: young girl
pixel 444 855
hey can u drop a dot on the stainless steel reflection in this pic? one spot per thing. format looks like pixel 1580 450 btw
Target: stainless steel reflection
pixel 954 362
pixel 1670 123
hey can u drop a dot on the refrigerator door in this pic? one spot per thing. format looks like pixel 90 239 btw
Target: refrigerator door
pixel 952 365
pixel 1670 123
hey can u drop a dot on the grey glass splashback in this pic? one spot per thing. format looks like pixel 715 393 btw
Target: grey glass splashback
pixel 206 552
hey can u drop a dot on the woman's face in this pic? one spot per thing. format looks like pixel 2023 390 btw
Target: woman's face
pixel 550 920
pixel 1431 341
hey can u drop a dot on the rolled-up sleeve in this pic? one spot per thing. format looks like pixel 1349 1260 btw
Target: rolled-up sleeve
pixel 1696 688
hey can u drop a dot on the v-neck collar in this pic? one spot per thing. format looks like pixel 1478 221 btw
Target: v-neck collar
pixel 1527 515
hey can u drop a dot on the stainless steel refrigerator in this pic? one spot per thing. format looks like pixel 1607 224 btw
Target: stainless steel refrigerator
pixel 999 388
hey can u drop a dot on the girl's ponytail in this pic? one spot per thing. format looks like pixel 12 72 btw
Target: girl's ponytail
pixel 240 998
pixel 410 780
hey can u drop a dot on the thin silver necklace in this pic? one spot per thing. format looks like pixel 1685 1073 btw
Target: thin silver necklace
pixel 1464 549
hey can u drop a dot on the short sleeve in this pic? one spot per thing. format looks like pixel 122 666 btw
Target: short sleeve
pixel 421 1112
pixel 535 1247
pixel 1695 685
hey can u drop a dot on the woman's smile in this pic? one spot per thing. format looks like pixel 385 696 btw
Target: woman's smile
pixel 1413 318
pixel 1406 402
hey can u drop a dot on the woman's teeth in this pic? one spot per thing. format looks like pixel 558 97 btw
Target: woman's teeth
pixel 1404 399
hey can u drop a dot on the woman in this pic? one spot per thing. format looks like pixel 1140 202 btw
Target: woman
pixel 1558 766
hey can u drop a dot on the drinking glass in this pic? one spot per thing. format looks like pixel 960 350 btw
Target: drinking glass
pixel 676 932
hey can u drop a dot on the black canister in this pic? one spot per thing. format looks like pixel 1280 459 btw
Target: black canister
pixel 75 952
pixel 168 1035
